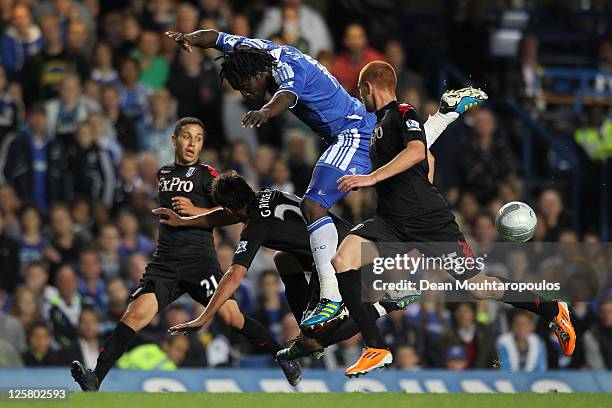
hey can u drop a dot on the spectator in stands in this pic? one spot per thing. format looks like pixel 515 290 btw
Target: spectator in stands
pixel 108 244
pixel 21 40
pixel 9 356
pixel 155 130
pixel 598 340
pixel 105 137
pixel 118 295
pixel 11 330
pixel 469 209
pixel 550 207
pixel 87 346
pixel 153 68
pixel 270 306
pixel 357 54
pixel 36 278
pixel 65 243
pixel 39 353
pixel 133 94
pixel 603 81
pixel 132 241
pixel 63 308
pixel 397 330
pixel 455 358
pixel 406 78
pixel 526 83
pixel 262 163
pixel 68 110
pixel 299 169
pixel 92 168
pixel 168 357
pixel 36 164
pixel 281 177
pixel 44 72
pixel 104 71
pixel 136 264
pixel 299 18
pixel 158 14
pixel 10 204
pixel 125 131
pixel 477 339
pixel 25 307
pixel 196 354
pixel 9 259
pixel 195 86
pixel 92 287
pixel 32 243
pixel 11 111
pixel 521 349
pixel 486 161
pixel 65 10
pixel 406 358
pixel 78 41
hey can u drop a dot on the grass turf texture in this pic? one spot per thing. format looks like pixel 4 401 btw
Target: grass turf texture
pixel 335 400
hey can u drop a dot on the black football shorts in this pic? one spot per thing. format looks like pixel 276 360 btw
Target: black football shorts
pixel 169 279
pixel 435 235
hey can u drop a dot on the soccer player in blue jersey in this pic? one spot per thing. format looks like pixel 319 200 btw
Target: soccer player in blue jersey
pixel 299 83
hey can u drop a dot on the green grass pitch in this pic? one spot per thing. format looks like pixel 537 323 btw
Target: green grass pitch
pixel 335 400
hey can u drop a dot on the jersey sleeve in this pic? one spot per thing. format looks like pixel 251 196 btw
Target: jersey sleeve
pixel 291 77
pixel 411 125
pixel 229 42
pixel 251 239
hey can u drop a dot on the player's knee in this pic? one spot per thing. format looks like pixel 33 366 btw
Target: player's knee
pixel 341 262
pixel 136 318
pixel 312 210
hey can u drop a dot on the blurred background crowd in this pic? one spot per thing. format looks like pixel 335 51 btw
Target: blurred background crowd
pixel 89 93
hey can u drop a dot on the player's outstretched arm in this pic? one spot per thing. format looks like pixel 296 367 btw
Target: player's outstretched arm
pixel 431 162
pixel 413 153
pixel 215 218
pixel 200 38
pixel 228 285
pixel 280 103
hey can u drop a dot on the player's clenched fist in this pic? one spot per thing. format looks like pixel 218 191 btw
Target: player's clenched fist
pixel 353 181
pixel 184 40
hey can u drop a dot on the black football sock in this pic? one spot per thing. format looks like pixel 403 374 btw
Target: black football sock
pixel 112 349
pixel 296 291
pixel 349 284
pixel 259 336
pixel 529 300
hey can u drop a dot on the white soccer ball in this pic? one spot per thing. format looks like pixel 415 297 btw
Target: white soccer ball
pixel 516 222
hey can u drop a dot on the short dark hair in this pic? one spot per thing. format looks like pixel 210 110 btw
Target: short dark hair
pixel 188 120
pixel 245 63
pixel 230 190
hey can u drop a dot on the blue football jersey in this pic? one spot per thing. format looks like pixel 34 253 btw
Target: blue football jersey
pixel 322 103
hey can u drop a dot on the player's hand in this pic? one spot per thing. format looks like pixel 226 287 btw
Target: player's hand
pixel 352 181
pixel 183 39
pixel 255 118
pixel 172 219
pixel 185 328
pixel 184 206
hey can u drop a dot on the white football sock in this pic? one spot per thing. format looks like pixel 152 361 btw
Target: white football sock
pixel 436 124
pixel 381 310
pixel 323 243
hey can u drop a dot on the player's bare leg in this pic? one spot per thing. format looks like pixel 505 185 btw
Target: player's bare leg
pixel 348 262
pixel 323 243
pixel 139 313
pixel 555 312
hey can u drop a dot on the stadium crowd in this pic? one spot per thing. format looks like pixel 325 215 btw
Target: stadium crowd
pixel 89 93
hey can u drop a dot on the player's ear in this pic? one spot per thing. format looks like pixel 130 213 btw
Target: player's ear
pixel 173 139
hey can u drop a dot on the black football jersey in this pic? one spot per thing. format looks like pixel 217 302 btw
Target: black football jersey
pixel 193 182
pixel 409 193
pixel 276 222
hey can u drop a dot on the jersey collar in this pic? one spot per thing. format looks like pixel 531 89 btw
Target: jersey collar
pixel 381 112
